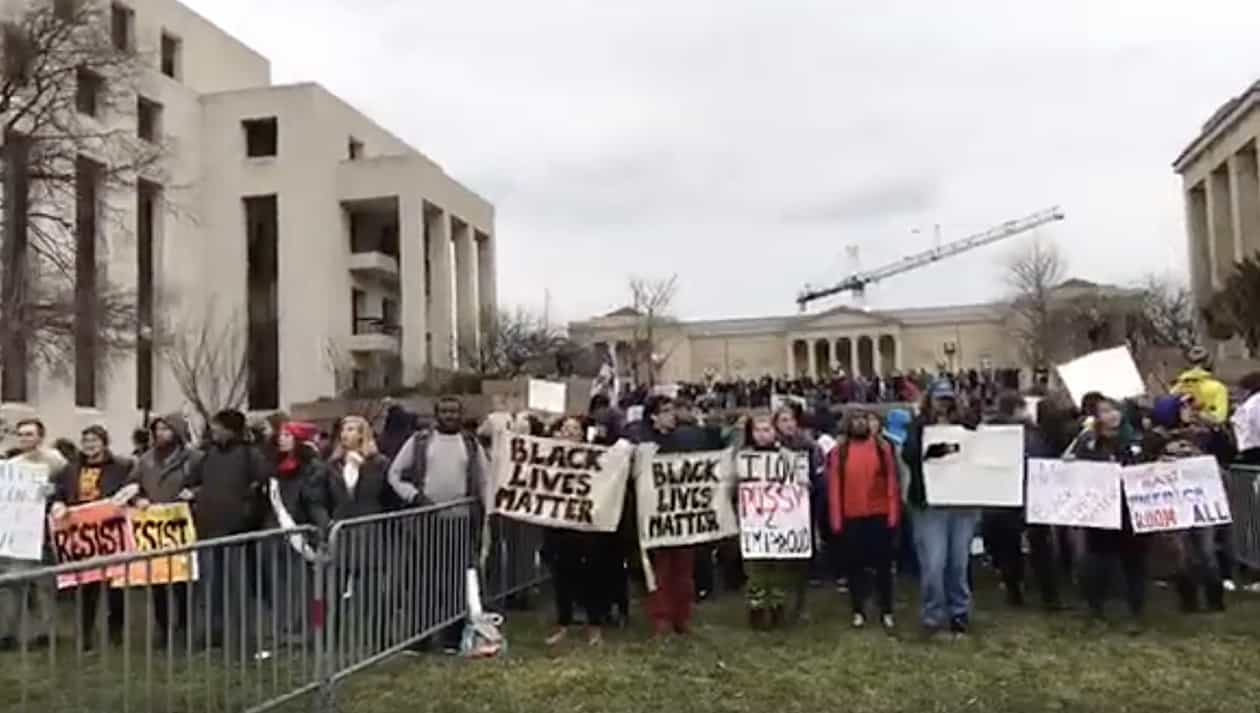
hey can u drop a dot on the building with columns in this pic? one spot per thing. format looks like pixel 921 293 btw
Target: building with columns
pixel 1220 171
pixel 336 253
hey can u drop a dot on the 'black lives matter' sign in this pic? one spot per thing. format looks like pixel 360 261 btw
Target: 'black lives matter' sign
pixel 684 498
pixel 574 486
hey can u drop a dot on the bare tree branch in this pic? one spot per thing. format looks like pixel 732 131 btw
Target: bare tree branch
pixel 652 299
pixel 516 343
pixel 209 358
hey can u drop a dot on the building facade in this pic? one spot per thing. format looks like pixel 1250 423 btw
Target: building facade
pixel 1220 171
pixel 283 218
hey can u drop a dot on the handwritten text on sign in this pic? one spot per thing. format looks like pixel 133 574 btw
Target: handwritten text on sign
pixel 575 486
pixel 1074 493
pixel 685 498
pixel 161 527
pixel 774 512
pixel 97 529
pixel 22 511
pixel 1176 495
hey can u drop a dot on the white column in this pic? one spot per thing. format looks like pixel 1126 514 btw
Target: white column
pixel 897 353
pixel 441 306
pixel 854 368
pixel 487 276
pixel 791 357
pixel 813 359
pixel 467 322
pixel 414 318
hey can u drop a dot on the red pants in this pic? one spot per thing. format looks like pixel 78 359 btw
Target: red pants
pixel 669 607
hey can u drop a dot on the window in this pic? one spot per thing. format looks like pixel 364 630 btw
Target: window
pixel 172 56
pixel 148 196
pixel 389 314
pixel 263 313
pixel 262 137
pixel 88 92
pixel 354 149
pixel 121 26
pixel 13 261
pixel 148 119
pixel 65 10
pixel 87 194
pixel 18 53
pixel 358 380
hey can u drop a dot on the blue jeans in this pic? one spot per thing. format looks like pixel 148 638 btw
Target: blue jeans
pixel 942 539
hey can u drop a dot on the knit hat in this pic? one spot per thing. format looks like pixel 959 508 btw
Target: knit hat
pixel 301 431
pixel 896 424
pixel 1198 355
pixel 232 420
pixel 1167 411
pixel 99 432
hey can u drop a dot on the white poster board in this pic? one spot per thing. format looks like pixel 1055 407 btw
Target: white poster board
pixel 22 511
pixel 984 468
pixel 547 396
pixel 684 498
pixel 774 510
pixel 572 486
pixel 779 401
pixel 1074 493
pixel 1111 372
pixel 669 391
pixel 1176 495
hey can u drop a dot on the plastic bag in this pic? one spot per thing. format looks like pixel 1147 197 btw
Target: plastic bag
pixel 483 632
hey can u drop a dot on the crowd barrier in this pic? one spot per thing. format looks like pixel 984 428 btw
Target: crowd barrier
pixel 274 620
pixel 1243 487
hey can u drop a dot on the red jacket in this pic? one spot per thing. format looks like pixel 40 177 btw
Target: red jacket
pixel 858 494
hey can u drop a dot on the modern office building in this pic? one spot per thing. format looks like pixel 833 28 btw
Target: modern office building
pixel 283 217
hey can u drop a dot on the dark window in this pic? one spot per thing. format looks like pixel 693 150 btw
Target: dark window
pixel 389 314
pixel 172 55
pixel 13 273
pixel 358 380
pixel 148 119
pixel 358 305
pixel 65 10
pixel 355 149
pixel 19 53
pixel 262 233
pixel 148 197
pixel 121 26
pixel 88 91
pixel 87 188
pixel 262 137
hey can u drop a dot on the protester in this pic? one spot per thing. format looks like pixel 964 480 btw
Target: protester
pixel 771 584
pixel 1197 382
pixel 161 474
pixel 942 534
pixel 1110 439
pixel 140 442
pixel 293 495
pixel 400 425
pixel 1246 421
pixel 863 498
pixel 26 612
pixel 788 428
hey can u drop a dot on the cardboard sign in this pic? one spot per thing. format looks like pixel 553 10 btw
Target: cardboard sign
pixel 574 486
pixel 1176 495
pixel 774 512
pixel 1074 493
pixel 1111 372
pixel 22 511
pixel 684 498
pixel 983 468
pixel 547 396
pixel 98 529
pixel 160 527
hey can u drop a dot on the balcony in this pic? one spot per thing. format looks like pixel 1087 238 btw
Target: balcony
pixel 374 335
pixel 374 265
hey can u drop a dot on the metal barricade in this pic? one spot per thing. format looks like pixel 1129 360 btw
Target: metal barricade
pixel 1244 504
pixel 513 561
pixel 241 637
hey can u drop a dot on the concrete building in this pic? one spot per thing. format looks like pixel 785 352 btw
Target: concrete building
pixel 1221 180
pixel 337 252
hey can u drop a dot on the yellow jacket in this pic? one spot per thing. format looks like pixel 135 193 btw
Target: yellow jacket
pixel 1210 396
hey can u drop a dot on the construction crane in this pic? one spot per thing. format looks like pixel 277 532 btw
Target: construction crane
pixel 857 282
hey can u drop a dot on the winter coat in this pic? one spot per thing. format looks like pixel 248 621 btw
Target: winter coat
pixel 298 492
pixel 160 476
pixel 912 453
pixel 113 476
pixel 330 499
pixel 836 495
pixel 408 472
pixel 228 485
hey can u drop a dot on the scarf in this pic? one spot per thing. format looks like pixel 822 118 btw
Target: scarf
pixel 350 470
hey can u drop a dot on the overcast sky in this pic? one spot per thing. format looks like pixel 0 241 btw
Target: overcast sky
pixel 743 144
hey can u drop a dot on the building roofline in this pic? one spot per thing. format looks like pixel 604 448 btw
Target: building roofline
pixel 1226 115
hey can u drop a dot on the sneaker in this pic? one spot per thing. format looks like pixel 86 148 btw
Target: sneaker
pixel 958 627
pixel 557 636
pixel 594 637
pixel 1229 585
pixel 888 623
pixel 859 620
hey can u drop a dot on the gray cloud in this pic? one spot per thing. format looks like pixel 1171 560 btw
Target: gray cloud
pixel 892 199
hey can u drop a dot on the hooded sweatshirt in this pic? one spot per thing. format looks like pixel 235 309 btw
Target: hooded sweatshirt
pixel 1210 396
pixel 162 471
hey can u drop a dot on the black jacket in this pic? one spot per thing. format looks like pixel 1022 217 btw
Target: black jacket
pixel 299 493
pixel 332 499
pixel 114 474
pixel 228 485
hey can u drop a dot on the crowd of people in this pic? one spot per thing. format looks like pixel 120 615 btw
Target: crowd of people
pixel 871 516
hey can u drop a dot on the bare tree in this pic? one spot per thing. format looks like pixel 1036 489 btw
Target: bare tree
pixel 652 300
pixel 368 403
pixel 1168 315
pixel 1032 275
pixel 69 113
pixel 517 342
pixel 209 358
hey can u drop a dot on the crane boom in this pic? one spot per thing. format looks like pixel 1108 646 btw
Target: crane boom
pixel 858 281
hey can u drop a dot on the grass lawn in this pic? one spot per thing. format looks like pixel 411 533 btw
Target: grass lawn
pixel 1018 661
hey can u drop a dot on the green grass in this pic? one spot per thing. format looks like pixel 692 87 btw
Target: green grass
pixel 1014 661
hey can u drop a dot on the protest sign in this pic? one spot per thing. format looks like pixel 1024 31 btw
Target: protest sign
pixel 547 396
pixel 1074 493
pixel 779 401
pixel 22 511
pixel 97 529
pixel 774 512
pixel 667 390
pixel 684 498
pixel 574 486
pixel 634 414
pixel 1111 372
pixel 161 527
pixel 1176 495
pixel 984 467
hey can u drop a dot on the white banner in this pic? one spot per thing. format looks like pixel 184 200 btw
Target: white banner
pixel 1176 495
pixel 774 512
pixel 981 468
pixel 573 486
pixel 684 498
pixel 22 510
pixel 1074 493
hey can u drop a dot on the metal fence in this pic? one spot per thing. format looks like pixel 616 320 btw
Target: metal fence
pixel 1244 503
pixel 272 618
